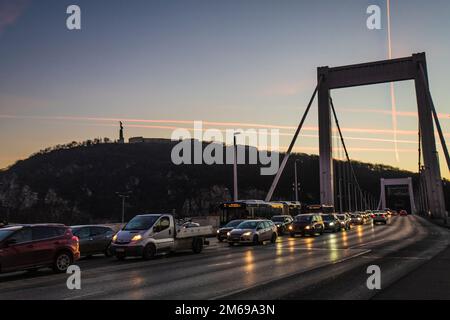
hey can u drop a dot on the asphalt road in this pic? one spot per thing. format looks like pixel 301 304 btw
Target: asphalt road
pixel 332 266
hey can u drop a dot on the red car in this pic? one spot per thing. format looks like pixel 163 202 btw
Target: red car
pixel 30 247
pixel 403 212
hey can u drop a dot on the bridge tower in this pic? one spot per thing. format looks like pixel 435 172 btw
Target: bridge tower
pixel 409 68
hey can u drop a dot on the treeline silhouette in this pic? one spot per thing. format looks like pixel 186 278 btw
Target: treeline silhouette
pixel 78 182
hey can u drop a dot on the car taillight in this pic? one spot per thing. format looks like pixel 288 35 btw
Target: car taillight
pixel 75 238
pixel 373 216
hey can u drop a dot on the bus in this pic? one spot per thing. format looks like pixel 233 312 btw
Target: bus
pixel 317 208
pixel 253 209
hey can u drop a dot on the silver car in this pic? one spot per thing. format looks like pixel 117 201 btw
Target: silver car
pixel 253 231
pixel 380 216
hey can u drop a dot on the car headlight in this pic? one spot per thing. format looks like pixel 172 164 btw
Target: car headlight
pixel 290 227
pixel 331 223
pixel 307 227
pixel 114 238
pixel 246 234
pixel 218 231
pixel 359 218
pixel 136 237
pixel 228 233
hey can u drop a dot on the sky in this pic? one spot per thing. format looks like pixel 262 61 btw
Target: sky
pixel 158 65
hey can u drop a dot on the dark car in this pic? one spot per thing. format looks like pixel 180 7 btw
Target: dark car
pixel 346 221
pixel 222 232
pixel 357 218
pixel 94 239
pixel 282 222
pixel 331 222
pixel 30 247
pixel 307 224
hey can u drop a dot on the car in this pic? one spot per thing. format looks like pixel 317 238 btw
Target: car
pixel 380 216
pixel 31 247
pixel 403 212
pixel 253 232
pixel 282 222
pixel 94 239
pixel 357 218
pixel 307 224
pixel 222 232
pixel 345 220
pixel 331 222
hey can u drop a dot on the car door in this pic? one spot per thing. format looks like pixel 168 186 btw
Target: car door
pixel 267 230
pixel 18 254
pixel 45 242
pixel 163 234
pixel 99 239
pixel 83 234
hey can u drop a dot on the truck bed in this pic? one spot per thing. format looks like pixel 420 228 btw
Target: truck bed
pixel 194 232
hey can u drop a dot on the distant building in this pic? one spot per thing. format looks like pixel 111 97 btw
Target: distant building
pixel 146 140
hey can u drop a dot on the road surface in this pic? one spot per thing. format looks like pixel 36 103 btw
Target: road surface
pixel 331 266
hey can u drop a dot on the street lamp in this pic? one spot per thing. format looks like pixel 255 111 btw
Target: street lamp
pixel 296 184
pixel 123 195
pixel 235 183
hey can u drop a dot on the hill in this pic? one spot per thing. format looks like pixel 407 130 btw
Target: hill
pixel 77 182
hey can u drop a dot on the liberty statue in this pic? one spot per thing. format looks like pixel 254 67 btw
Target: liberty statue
pixel 121 139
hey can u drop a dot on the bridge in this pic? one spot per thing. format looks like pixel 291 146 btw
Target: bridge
pixel 429 192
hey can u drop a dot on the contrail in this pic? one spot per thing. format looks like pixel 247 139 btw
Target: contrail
pixel 393 102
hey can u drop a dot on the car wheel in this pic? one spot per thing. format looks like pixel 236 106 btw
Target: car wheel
pixel 149 252
pixel 197 245
pixel 62 261
pixel 108 252
pixel 255 240
pixel 274 238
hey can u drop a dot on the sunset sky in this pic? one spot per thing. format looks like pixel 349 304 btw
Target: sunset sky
pixel 161 64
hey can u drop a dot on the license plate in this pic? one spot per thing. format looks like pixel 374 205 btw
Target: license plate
pixel 120 250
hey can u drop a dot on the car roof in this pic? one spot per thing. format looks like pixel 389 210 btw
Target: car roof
pixel 89 225
pixel 41 225
pixel 12 228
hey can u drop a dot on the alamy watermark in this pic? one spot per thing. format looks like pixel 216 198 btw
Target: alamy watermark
pixel 263 147
pixel 374 280
pixel 74 280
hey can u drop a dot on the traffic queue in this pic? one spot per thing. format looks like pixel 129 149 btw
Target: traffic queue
pixel 34 246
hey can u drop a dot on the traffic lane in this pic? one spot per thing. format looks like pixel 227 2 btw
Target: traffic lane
pixel 217 271
pixel 365 233
pixel 396 258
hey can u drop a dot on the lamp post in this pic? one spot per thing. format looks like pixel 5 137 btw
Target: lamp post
pixel 123 195
pixel 235 182
pixel 296 184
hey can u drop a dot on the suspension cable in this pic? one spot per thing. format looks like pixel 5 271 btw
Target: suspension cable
pixel 294 139
pixel 343 144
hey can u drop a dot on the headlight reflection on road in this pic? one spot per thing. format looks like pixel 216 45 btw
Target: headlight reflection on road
pixel 334 253
pixel 360 234
pixel 345 239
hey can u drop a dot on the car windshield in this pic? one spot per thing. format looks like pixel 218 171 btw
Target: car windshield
pixel 328 217
pixel 233 224
pixel 247 225
pixel 341 217
pixel 303 218
pixel 278 219
pixel 141 223
pixel 5 233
